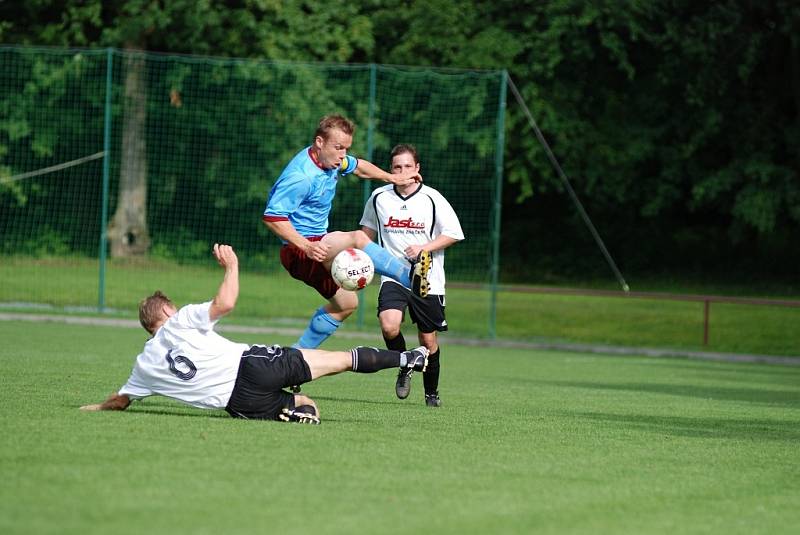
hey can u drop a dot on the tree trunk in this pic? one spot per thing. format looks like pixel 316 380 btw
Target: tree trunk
pixel 127 232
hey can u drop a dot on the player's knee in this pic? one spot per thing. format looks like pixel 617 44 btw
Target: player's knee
pixel 360 239
pixel 343 304
pixel 390 330
pixel 429 341
pixel 344 311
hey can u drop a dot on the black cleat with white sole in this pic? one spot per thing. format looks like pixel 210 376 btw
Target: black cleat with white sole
pixel 416 360
pixel 305 414
pixel 403 385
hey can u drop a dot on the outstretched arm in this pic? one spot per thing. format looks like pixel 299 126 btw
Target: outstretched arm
pixel 369 170
pixel 115 402
pixel 228 291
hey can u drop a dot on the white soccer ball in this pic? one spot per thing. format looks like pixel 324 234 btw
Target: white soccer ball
pixel 352 269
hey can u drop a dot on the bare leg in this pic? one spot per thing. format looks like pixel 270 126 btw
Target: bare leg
pixel 327 318
pixel 390 320
pixel 322 363
pixel 362 360
pixel 339 241
pixel 342 304
pixel 429 340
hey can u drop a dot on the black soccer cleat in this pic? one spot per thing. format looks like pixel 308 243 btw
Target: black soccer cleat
pixel 403 385
pixel 419 274
pixel 416 360
pixel 432 400
pixel 301 415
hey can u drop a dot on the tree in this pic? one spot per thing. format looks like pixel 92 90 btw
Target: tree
pixel 252 28
pixel 675 120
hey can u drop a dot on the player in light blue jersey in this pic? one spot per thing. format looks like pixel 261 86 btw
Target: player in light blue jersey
pixel 297 212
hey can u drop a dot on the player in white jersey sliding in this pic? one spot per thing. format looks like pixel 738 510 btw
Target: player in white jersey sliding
pixel 187 361
pixel 405 220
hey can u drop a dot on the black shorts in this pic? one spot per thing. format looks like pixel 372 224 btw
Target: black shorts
pixel 427 313
pixel 263 373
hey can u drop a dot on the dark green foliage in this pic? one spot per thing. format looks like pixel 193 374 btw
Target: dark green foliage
pixel 676 121
pixel 217 134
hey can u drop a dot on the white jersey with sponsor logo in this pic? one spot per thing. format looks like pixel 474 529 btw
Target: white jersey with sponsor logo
pixel 412 220
pixel 186 360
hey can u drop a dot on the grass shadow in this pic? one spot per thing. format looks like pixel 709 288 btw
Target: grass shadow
pixel 168 408
pixel 351 400
pixel 760 429
pixel 178 411
pixel 789 373
pixel 777 398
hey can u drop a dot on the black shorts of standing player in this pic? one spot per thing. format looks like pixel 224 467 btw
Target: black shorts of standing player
pixel 263 374
pixel 427 313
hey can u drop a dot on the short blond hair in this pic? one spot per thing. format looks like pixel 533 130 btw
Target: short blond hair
pixel 151 310
pixel 334 122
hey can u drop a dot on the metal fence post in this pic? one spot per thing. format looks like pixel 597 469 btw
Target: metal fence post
pixel 101 294
pixel 373 81
pixel 498 203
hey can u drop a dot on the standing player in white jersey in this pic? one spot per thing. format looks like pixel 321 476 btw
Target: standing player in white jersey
pixel 405 220
pixel 187 361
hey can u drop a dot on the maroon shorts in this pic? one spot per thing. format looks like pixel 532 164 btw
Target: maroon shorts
pixel 313 273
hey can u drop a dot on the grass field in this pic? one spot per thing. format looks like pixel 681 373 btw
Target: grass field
pixel 526 442
pixel 270 298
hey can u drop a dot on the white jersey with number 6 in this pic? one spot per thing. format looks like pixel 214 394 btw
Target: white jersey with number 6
pixel 412 220
pixel 186 360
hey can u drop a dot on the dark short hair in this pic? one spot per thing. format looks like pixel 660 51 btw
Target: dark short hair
pixel 402 148
pixel 150 310
pixel 334 122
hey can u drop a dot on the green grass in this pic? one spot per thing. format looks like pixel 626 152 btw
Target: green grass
pixel 527 442
pixel 273 298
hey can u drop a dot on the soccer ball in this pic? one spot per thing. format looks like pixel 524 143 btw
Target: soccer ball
pixel 352 269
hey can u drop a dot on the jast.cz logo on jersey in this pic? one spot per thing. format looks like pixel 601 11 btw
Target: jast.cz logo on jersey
pixel 403 223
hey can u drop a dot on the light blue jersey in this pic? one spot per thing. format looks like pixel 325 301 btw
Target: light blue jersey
pixel 303 193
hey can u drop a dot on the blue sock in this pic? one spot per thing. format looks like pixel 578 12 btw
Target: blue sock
pixel 321 326
pixel 386 264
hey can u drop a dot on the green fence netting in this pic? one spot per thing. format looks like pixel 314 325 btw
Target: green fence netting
pixel 116 164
